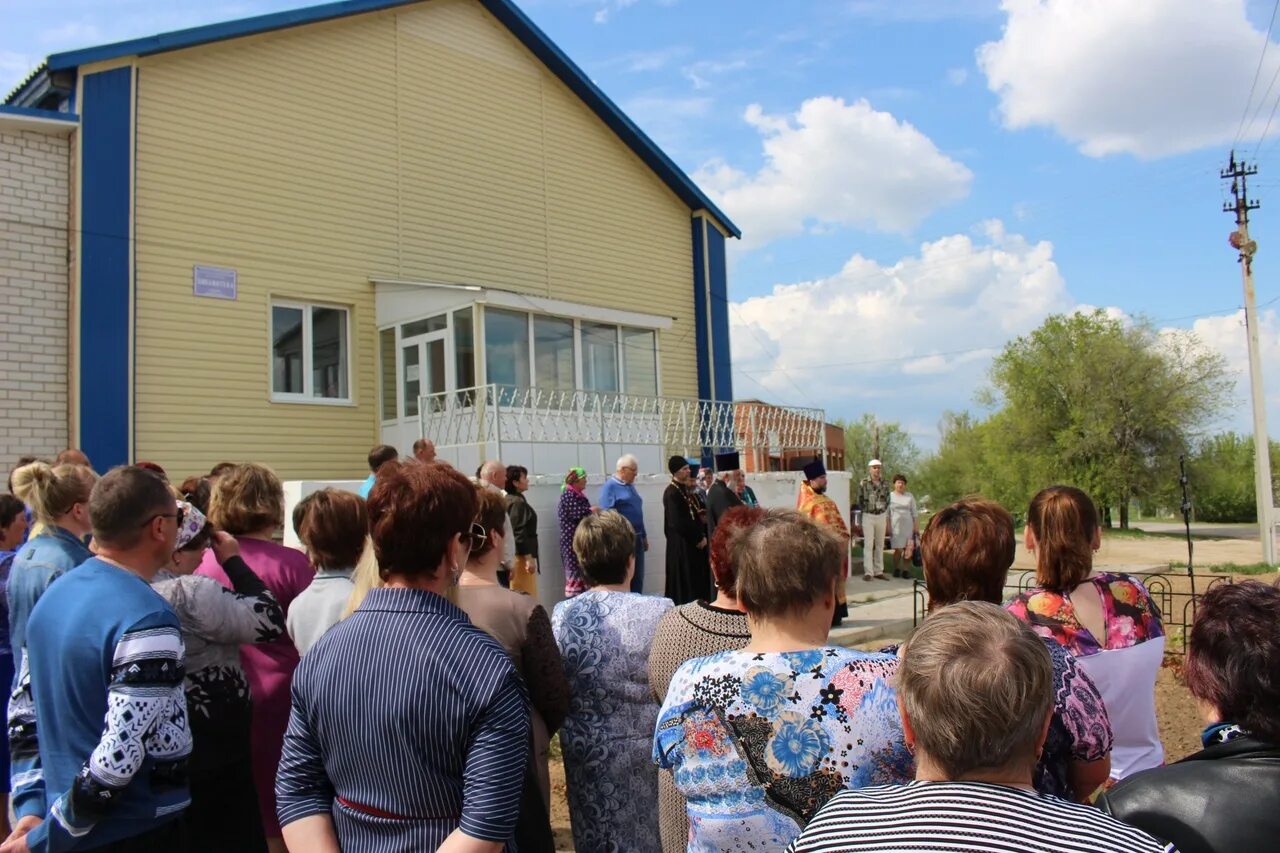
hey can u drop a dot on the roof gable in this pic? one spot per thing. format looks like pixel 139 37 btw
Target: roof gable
pixel 505 11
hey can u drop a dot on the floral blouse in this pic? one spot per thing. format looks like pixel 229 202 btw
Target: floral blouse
pixel 1129 614
pixel 757 743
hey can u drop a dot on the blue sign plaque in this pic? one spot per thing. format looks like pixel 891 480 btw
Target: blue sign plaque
pixel 214 282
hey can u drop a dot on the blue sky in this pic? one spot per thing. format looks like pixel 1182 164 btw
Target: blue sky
pixel 917 180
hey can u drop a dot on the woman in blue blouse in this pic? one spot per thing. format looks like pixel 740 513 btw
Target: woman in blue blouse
pixel 410 726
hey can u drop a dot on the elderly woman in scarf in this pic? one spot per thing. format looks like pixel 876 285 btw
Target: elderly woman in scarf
pixel 572 508
pixel 216 621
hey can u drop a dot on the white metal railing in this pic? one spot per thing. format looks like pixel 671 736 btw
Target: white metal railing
pixel 493 415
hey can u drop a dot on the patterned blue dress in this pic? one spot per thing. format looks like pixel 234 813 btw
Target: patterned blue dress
pixel 604 638
pixel 757 743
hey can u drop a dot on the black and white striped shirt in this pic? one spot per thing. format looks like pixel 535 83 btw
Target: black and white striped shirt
pixel 966 817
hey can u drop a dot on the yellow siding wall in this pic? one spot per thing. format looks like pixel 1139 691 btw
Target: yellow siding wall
pixel 423 143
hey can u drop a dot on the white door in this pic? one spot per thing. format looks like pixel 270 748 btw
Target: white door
pixel 426 371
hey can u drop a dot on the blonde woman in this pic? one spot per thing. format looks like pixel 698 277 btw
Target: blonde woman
pixel 59 500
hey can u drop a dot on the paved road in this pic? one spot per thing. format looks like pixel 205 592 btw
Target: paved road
pixel 1216 531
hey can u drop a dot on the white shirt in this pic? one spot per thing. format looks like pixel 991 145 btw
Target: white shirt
pixel 318 608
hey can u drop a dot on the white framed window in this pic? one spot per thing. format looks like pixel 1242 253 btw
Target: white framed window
pixel 558 353
pixel 310 353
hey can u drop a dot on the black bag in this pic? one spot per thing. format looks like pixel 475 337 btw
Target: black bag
pixel 916 559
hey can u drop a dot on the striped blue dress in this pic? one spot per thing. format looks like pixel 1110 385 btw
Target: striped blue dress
pixel 408 722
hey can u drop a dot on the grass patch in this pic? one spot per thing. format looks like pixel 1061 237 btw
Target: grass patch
pixel 1139 533
pixel 1229 568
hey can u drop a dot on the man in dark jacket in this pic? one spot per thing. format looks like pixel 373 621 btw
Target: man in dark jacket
pixel 723 495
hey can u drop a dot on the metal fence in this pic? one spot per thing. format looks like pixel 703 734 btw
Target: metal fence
pixel 493 415
pixel 1170 590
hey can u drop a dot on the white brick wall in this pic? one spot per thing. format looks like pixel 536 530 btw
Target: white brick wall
pixel 33 294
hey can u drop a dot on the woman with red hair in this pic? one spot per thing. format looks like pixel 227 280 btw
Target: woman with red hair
pixel 410 726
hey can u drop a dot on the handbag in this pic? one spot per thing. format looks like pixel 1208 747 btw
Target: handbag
pixel 916 559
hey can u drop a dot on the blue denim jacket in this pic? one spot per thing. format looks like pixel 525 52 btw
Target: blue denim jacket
pixel 41 561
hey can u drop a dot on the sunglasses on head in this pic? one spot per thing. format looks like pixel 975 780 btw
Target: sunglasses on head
pixel 476 536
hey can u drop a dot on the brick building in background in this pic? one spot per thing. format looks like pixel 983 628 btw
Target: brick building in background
pixel 34 156
pixel 766 446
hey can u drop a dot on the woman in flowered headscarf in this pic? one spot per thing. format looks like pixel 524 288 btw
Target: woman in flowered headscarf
pixel 216 621
pixel 572 508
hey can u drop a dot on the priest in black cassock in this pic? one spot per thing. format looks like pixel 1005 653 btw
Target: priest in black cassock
pixel 723 496
pixel 685 525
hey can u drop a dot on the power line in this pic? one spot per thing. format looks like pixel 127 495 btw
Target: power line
pixel 1266 42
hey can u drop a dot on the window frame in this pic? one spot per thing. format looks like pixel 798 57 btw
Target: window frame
pixel 308 396
pixel 579 372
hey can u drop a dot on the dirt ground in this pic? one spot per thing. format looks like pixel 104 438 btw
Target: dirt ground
pixel 1160 551
pixel 1179 721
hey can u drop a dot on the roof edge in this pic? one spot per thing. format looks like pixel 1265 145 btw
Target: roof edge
pixel 208 33
pixel 44 115
pixel 581 85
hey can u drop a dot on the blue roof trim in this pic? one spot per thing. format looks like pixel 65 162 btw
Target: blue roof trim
pixel 504 10
pixel 28 112
pixel 179 39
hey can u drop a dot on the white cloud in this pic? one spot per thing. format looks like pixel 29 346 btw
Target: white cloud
pixel 1227 335
pixel 1144 77
pixel 832 163
pixel 72 33
pixel 957 76
pixel 700 73
pixel 919 11
pixel 906 340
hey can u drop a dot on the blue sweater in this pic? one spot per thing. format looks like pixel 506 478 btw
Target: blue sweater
pixel 41 561
pixel 103 758
pixel 624 498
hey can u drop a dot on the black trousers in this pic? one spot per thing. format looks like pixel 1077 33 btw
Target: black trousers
pixel 170 837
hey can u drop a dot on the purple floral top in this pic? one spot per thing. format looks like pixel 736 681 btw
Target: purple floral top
pixel 573 507
pixel 1079 730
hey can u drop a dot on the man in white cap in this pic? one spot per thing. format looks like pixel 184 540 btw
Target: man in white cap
pixel 873 501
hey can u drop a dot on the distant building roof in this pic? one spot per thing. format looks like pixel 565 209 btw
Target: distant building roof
pixel 38 84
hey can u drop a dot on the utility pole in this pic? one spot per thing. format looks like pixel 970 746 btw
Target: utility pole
pixel 1238 173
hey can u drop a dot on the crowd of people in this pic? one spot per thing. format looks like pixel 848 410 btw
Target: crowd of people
pixel 181 680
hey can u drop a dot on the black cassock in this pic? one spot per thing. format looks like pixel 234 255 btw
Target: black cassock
pixel 720 500
pixel 685 525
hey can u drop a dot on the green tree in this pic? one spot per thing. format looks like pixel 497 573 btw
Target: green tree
pixel 1220 476
pixel 972 458
pixel 866 439
pixel 1106 406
